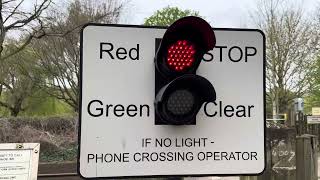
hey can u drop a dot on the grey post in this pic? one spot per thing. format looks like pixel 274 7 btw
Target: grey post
pixel 306 157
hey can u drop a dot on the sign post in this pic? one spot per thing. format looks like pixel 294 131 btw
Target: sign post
pixel 118 135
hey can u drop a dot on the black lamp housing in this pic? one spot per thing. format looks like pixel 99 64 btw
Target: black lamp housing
pixel 180 94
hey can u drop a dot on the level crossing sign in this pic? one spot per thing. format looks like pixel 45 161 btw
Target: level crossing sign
pixel 118 135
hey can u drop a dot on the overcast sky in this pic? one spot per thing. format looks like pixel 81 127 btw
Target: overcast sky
pixel 219 13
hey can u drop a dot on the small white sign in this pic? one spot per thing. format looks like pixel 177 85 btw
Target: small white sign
pixel 316 111
pixel 313 119
pixel 119 137
pixel 19 161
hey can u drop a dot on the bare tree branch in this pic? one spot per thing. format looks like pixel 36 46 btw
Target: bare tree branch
pixel 13 12
pixel 291 47
pixel 61 63
pixel 36 13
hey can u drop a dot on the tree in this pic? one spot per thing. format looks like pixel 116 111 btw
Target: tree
pixel 314 95
pixel 16 82
pixel 14 19
pixel 26 24
pixel 59 53
pixel 167 16
pixel 291 41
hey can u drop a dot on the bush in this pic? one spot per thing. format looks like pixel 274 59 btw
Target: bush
pixel 57 135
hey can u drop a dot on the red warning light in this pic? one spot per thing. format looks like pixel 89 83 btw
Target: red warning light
pixel 181 55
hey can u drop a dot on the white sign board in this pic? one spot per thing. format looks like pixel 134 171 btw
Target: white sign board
pixel 118 134
pixel 19 161
pixel 313 119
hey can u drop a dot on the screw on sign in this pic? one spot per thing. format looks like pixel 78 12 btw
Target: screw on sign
pixel 179 92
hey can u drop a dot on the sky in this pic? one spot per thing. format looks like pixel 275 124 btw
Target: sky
pixel 219 13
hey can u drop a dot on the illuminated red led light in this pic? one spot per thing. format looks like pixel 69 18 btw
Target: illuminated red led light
pixel 181 55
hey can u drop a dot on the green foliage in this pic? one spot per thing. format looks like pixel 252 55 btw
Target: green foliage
pixel 313 98
pixel 40 104
pixel 44 105
pixel 16 83
pixel 167 16
pixel 67 154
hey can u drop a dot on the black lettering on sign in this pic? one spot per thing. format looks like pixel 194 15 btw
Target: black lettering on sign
pixel 98 111
pixel 213 109
pixel 231 156
pixel 230 53
pixel 108 158
pixel 201 156
pixel 221 48
pixel 97 108
pixel 207 57
pixel 132 110
pixel 134 53
pixel 190 142
pixel 233 51
pixel 108 51
pixel 121 51
pixel 146 141
pixel 162 156
pixel 90 157
pixel 163 142
pixel 250 51
pixel 106 47
pixel 118 108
